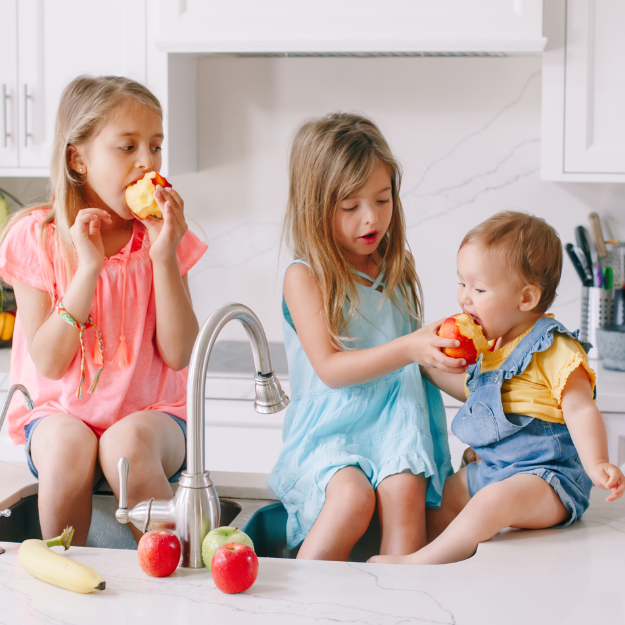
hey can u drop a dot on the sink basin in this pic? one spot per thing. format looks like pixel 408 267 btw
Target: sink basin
pixel 104 532
pixel 267 529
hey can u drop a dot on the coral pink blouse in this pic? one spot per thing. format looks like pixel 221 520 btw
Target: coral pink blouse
pixel 146 383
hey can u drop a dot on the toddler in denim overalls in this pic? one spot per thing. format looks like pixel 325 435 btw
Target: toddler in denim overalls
pixel 529 414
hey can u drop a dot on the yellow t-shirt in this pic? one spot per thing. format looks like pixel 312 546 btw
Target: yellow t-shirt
pixel 537 392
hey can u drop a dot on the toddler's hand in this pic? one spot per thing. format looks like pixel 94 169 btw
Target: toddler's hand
pixel 85 233
pixel 609 477
pixel 425 349
pixel 166 234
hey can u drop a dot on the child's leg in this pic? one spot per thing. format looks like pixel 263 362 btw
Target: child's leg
pixel 401 508
pixel 344 518
pixel 523 501
pixel 154 445
pixel 455 497
pixel 64 451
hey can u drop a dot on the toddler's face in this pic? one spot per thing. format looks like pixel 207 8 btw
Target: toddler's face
pixel 126 149
pixel 494 296
pixel 363 219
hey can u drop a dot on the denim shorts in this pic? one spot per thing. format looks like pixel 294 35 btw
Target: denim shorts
pixel 30 428
pixel 573 495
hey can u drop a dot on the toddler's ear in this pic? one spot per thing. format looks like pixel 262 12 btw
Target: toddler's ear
pixel 530 297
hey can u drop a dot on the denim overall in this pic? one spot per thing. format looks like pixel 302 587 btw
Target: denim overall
pixel 508 444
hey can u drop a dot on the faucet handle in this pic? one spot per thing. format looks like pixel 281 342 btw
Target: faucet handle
pixel 123 466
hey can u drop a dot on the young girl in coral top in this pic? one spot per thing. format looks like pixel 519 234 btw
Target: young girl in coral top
pixel 363 428
pixel 105 326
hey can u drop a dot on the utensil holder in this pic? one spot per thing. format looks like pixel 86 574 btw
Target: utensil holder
pixel 597 312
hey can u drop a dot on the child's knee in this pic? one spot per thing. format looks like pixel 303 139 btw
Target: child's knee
pixel 61 438
pixel 356 499
pixel 126 438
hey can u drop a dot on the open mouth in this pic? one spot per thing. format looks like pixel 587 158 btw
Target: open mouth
pixel 475 318
pixel 370 237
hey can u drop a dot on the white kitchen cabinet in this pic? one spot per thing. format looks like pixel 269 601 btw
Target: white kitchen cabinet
pixel 583 126
pixel 8 84
pixel 45 45
pixel 351 26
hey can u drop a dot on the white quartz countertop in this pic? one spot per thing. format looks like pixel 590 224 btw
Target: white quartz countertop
pixel 571 576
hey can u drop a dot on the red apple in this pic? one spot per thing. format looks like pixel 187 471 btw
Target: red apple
pixel 159 553
pixel 472 342
pixel 158 179
pixel 234 568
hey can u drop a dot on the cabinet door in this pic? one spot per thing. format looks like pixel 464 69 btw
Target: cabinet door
pixel 594 130
pixel 8 84
pixel 60 40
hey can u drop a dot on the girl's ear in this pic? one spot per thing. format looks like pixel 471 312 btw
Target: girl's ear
pixel 530 297
pixel 75 160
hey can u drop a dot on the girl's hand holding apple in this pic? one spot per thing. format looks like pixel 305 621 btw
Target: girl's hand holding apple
pixel 166 234
pixel 425 349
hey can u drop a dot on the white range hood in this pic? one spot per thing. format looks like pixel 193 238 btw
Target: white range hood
pixel 351 27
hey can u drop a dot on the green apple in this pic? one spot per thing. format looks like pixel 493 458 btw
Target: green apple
pixel 222 536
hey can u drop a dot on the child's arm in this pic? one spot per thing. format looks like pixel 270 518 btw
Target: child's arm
pixel 176 324
pixel 337 368
pixel 451 383
pixel 53 343
pixel 587 430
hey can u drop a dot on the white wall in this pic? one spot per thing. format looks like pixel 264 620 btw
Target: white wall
pixel 467 131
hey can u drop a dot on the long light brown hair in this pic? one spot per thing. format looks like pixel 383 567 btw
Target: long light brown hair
pixel 86 106
pixel 331 159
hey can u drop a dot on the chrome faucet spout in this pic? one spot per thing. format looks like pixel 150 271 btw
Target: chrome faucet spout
pixel 196 383
pixel 195 509
pixel 28 402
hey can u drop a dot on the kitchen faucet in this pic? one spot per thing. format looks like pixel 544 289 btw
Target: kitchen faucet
pixel 3 413
pixel 194 510
pixel 7 402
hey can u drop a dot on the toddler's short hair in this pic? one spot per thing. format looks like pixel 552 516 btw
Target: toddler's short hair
pixel 531 247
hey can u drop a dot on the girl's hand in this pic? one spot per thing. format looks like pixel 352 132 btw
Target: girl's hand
pixel 609 477
pixel 87 239
pixel 166 234
pixel 425 348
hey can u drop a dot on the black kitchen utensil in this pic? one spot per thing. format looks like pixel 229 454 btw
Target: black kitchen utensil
pixel 583 242
pixel 577 264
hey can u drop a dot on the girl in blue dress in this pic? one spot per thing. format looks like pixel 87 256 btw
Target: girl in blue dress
pixel 363 429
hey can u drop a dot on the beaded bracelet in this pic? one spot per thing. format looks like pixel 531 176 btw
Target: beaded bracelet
pixel 60 309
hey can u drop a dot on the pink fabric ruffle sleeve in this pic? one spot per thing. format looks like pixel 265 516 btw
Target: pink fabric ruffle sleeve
pixel 20 255
pixel 190 250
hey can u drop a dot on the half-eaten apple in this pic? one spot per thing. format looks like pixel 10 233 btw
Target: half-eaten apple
pixel 472 341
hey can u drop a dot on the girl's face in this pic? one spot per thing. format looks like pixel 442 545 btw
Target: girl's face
pixel 493 295
pixel 362 220
pixel 128 147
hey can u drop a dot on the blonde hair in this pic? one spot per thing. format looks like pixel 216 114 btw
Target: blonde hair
pixel 332 158
pixel 86 106
pixel 531 248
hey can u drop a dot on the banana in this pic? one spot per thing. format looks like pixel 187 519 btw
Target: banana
pixel 39 560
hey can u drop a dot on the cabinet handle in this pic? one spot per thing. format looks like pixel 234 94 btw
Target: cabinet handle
pixel 5 97
pixel 26 98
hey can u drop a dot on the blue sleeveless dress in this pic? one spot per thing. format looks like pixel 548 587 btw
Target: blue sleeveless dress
pixel 392 425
